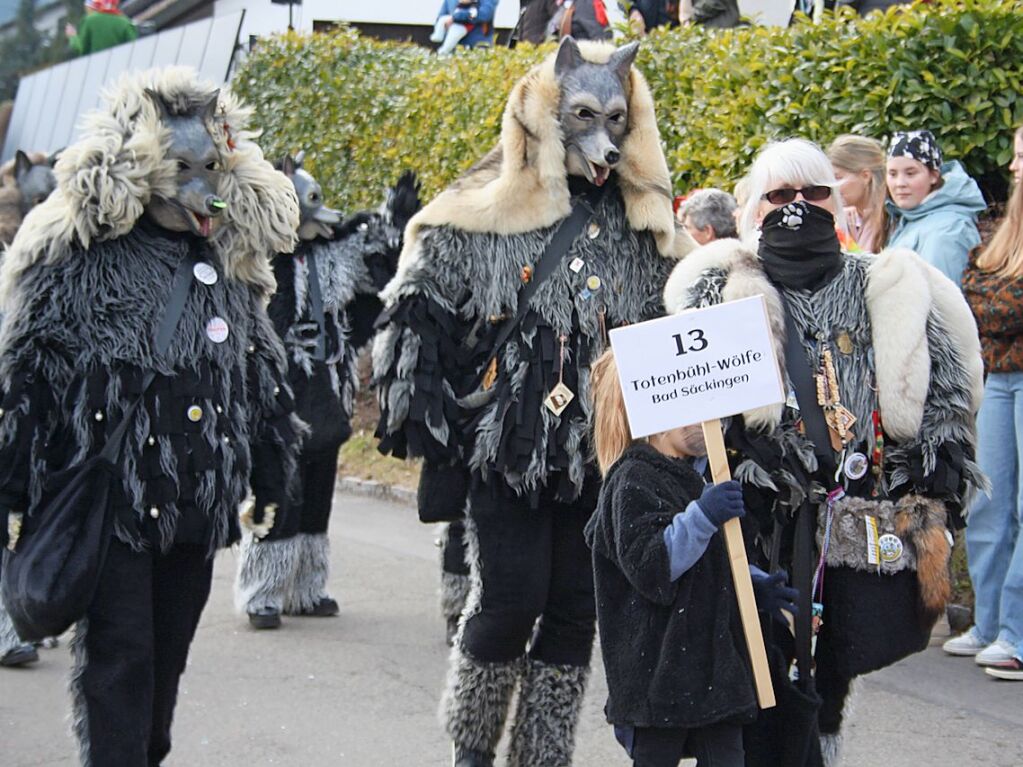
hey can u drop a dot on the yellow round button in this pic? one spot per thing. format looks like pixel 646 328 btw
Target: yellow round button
pixel 593 282
pixel 194 414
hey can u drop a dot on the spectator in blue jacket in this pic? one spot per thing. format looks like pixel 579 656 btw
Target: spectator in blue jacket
pixel 934 204
pixel 464 22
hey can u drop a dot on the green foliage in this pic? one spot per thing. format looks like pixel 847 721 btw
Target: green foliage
pixel 365 110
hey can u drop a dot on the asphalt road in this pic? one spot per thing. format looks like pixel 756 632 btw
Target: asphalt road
pixel 361 689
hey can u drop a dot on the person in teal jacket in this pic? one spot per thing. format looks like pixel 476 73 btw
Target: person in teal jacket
pixel 934 204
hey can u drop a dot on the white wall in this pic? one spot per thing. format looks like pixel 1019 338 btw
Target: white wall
pixel 264 18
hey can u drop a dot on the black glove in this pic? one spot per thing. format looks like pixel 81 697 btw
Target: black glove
pixel 772 594
pixel 722 502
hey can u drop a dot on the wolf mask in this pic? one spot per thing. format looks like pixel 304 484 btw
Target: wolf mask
pixel 315 218
pixel 594 109
pixel 34 180
pixel 195 204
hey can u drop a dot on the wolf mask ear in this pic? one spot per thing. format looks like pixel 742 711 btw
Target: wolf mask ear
pixel 22 164
pixel 299 158
pixel 161 106
pixel 209 109
pixel 568 57
pixel 621 60
pixel 288 166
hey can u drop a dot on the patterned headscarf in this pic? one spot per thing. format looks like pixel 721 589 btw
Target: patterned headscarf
pixel 919 145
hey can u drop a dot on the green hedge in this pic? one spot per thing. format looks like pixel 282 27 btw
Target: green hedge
pixel 365 110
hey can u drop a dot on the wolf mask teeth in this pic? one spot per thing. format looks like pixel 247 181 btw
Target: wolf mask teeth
pixel 593 111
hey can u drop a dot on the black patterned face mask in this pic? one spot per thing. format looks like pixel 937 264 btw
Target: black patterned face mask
pixel 799 246
pixel 919 145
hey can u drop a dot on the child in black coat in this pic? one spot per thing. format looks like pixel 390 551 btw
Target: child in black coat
pixel 678 679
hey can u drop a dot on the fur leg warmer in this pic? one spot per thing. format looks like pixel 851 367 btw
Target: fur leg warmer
pixel 266 571
pixel 454 590
pixel 9 638
pixel 309 574
pixel 79 714
pixel 475 702
pixel 837 705
pixel 549 703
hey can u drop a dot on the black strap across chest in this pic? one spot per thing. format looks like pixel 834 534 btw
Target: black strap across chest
pixel 183 279
pixel 583 207
pixel 316 307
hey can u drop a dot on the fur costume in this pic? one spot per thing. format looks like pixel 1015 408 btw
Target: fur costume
pixel 466 257
pixel 85 284
pixel 905 345
pixel 282 572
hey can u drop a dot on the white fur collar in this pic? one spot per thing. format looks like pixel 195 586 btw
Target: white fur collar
pixel 902 292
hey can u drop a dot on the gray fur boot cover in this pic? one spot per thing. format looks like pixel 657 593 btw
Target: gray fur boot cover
pixel 79 715
pixel 266 572
pixel 549 703
pixel 454 590
pixel 9 638
pixel 475 702
pixel 309 573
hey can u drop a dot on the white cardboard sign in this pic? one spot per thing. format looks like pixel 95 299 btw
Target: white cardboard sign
pixel 696 366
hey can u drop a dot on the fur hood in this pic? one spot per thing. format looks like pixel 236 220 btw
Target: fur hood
pixel 106 179
pixel 522 185
pixel 902 293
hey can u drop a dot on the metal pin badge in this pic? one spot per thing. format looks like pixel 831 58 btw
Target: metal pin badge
pixel 593 230
pixel 205 273
pixel 194 413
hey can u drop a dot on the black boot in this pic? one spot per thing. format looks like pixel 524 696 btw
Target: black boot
pixel 266 618
pixel 466 757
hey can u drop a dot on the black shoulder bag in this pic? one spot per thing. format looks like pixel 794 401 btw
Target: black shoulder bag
pixel 50 578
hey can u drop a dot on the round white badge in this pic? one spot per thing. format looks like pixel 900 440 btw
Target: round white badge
pixel 205 273
pixel 856 466
pixel 217 330
pixel 890 547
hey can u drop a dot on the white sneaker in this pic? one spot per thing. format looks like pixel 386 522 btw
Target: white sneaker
pixel 995 653
pixel 966 644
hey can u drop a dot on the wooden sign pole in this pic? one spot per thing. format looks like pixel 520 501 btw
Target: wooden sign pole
pixel 718 458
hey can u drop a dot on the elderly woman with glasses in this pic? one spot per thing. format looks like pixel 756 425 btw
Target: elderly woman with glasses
pixel 854 483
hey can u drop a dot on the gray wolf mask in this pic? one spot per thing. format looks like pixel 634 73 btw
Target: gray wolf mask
pixel 196 202
pixel 594 111
pixel 35 181
pixel 315 218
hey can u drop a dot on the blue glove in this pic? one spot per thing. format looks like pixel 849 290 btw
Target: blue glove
pixel 772 594
pixel 722 502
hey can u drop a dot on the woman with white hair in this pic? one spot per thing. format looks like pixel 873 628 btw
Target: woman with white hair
pixel 855 482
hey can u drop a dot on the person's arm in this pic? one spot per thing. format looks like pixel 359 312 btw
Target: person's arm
pixel 416 362
pixel 81 41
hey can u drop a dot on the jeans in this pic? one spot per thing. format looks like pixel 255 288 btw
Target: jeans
pixel 717 745
pixel 993 546
pixel 534 563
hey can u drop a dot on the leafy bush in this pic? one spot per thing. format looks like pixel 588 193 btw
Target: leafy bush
pixel 365 110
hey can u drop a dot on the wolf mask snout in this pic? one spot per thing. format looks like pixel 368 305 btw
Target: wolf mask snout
pixel 594 109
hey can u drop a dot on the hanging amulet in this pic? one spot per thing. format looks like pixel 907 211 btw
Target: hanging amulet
pixel 527 274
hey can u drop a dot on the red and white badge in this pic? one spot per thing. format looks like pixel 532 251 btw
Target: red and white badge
pixel 217 330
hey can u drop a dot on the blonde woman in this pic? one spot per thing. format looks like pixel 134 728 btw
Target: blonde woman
pixel 993 284
pixel 859 164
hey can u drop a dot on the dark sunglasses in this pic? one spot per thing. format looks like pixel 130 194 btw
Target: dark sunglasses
pixel 810 194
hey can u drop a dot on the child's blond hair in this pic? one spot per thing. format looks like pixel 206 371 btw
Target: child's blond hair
pixel 611 433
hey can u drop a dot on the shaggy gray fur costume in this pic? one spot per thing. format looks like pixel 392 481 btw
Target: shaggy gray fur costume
pixel 84 286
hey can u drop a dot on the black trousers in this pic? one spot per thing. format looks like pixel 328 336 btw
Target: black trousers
pixel 137 633
pixel 719 745
pixel 534 563
pixel 318 473
pixel 453 553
